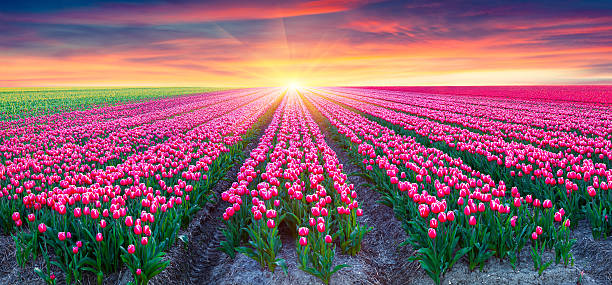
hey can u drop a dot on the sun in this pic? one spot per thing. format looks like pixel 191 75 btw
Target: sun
pixel 294 85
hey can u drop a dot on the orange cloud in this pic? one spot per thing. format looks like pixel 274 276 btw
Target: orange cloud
pixel 152 45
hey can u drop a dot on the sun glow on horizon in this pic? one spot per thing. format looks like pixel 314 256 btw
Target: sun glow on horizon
pixel 294 85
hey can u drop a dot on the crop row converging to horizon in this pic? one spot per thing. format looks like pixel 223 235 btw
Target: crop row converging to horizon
pixel 93 186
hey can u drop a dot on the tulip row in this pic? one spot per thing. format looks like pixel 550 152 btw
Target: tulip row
pixel 19 103
pixel 40 134
pixel 576 183
pixel 119 195
pixel 546 125
pixel 293 179
pixel 448 209
pixel 95 146
pixel 593 94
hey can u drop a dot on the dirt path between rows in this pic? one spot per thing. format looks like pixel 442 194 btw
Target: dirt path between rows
pixel 380 261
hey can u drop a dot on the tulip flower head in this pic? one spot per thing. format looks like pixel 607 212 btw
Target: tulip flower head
pixel 16 216
pixel 432 233
pixel 321 227
pixel 433 223
pixel 472 221
pixel 558 217
pixel 303 231
pixel 328 239
pixel 539 230
pixel 450 216
pixel 271 224
pixel 303 241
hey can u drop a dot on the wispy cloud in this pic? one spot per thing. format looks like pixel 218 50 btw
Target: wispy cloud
pixel 270 42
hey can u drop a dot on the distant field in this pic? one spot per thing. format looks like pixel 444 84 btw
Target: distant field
pixel 25 102
pixel 576 93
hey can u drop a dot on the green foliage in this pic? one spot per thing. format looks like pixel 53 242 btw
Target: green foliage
pixel 438 255
pixel 148 258
pixel 317 258
pixel 537 252
pixel 264 245
pixel 563 246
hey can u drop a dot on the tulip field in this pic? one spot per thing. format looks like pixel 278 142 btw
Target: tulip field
pixel 91 187
pixel 16 103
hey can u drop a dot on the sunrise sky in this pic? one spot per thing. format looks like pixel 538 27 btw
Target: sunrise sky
pixel 315 43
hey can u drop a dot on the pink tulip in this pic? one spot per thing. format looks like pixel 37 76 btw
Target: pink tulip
pixel 432 233
pixel 77 212
pixel 359 212
pixel 558 217
pixel 303 241
pixel 442 217
pixel 450 216
pixel 328 239
pixel 271 214
pixel 303 231
pixel 16 216
pixel 433 223
pixel 129 221
pixel 536 203
pixel 95 214
pixel 137 230
pixel 321 227
pixel 271 223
